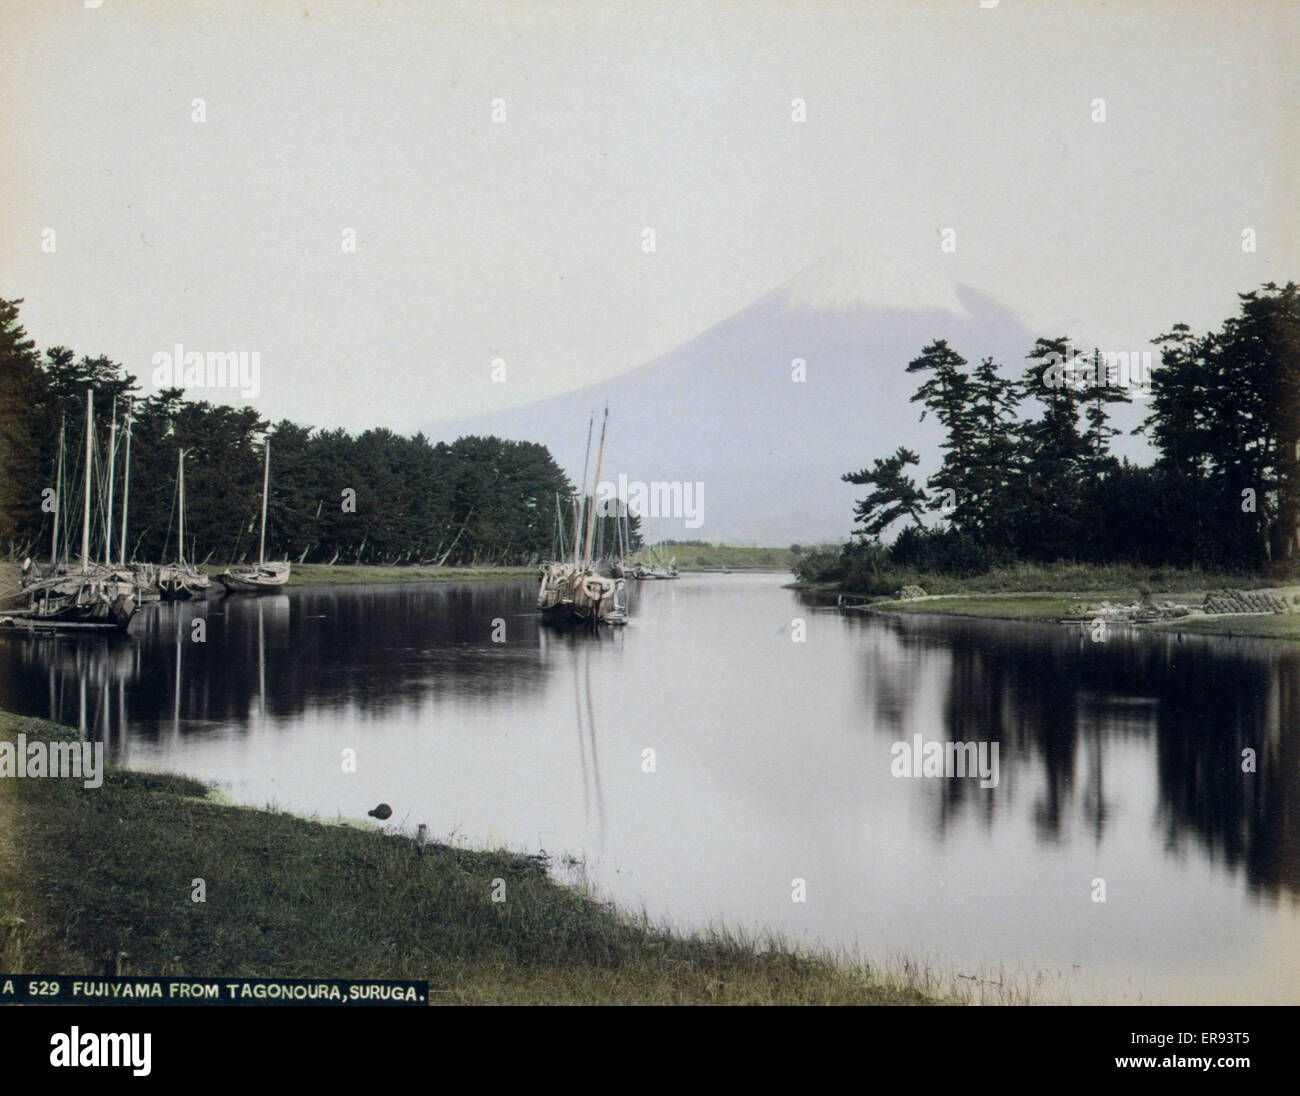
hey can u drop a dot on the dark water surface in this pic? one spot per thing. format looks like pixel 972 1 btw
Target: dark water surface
pixel 1118 761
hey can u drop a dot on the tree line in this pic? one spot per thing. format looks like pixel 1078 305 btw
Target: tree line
pixel 1027 473
pixel 376 497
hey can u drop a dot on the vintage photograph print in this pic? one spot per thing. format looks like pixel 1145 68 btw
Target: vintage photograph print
pixel 736 502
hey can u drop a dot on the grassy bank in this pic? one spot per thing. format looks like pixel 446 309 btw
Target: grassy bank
pixel 718 557
pixel 1036 606
pixel 11 596
pixel 1054 607
pixel 1033 592
pixel 96 878
pixel 1103 580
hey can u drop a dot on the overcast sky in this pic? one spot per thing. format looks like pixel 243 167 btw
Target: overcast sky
pixel 523 239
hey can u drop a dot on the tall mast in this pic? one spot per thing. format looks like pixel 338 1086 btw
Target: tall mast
pixel 108 516
pixel 58 498
pixel 591 510
pixel 266 482
pixel 581 503
pixel 126 480
pixel 85 521
pixel 180 507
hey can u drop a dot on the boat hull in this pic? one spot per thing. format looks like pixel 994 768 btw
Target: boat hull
pixel 251 580
pixel 568 595
pixel 80 602
pixel 146 582
pixel 181 583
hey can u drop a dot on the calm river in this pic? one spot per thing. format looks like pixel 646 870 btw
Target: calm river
pixel 1118 762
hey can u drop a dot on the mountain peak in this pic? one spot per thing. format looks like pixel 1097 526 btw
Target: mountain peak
pixel 847 277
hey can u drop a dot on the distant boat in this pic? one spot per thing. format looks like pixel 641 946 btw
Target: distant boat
pixel 181 581
pixel 644 573
pixel 263 576
pixel 95 596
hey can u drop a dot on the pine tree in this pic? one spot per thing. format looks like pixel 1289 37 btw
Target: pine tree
pixel 895 496
pixel 20 468
pixel 1052 457
pixel 947 392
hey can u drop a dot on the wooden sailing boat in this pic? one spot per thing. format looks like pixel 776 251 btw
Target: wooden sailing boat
pixel 144 574
pixel 574 592
pixel 180 581
pixel 92 597
pixel 264 576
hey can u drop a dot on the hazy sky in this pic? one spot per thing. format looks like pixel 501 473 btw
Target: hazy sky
pixel 523 239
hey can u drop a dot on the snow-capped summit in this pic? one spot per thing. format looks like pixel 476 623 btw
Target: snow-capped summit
pixel 848 277
pixel 770 407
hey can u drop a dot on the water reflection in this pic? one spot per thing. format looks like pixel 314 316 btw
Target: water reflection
pixel 1060 704
pixel 1121 760
pixel 281 656
pixel 587 743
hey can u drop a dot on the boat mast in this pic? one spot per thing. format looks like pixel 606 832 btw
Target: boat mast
pixel 266 482
pixel 126 480
pixel 108 515
pixel 180 508
pixel 85 521
pixel 581 503
pixel 591 510
pixel 58 497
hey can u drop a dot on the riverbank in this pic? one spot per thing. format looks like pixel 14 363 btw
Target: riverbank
pixel 1083 601
pixel 1063 578
pixel 1055 607
pixel 716 557
pixel 104 877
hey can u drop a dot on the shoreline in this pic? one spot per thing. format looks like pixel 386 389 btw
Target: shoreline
pixel 288 896
pixel 1055 608
pixel 1035 595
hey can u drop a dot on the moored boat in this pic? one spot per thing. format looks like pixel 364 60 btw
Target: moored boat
pixel 94 596
pixel 181 581
pixel 262 575
pixel 96 599
pixel 573 591
pixel 177 583
pixel 572 594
